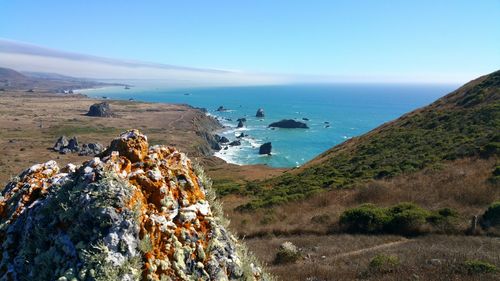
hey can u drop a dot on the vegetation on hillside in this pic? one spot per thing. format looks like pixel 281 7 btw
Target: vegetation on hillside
pixel 462 124
pixel 403 218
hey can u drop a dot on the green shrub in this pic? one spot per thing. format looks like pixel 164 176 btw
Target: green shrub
pixel 403 218
pixel 383 264
pixel 491 218
pixel 366 218
pixel 478 267
pixel 407 219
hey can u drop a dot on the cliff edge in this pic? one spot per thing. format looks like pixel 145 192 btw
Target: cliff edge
pixel 135 212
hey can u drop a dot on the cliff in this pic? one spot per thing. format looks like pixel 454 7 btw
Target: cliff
pixel 134 213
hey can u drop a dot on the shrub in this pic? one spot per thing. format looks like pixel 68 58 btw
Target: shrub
pixel 491 218
pixel 478 267
pixel 366 218
pixel 407 219
pixel 383 264
pixel 403 218
pixel 287 253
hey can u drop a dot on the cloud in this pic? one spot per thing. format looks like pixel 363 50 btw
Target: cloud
pixel 27 57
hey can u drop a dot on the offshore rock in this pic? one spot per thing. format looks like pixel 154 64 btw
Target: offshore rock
pixel 135 212
pixel 260 113
pixel 241 124
pixel 265 148
pixel 289 124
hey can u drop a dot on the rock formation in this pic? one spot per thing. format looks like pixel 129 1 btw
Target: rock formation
pixel 100 110
pixel 260 113
pixel 221 108
pixel 235 143
pixel 89 149
pixel 289 123
pixel 134 213
pixel 265 148
pixel 65 146
pixel 241 124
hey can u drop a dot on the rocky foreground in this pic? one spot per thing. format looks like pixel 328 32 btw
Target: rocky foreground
pixel 133 213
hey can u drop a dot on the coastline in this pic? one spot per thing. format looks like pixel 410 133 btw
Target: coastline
pixel 30 123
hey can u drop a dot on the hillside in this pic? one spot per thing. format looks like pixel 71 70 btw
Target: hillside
pixel 135 212
pixel 463 124
pixel 14 80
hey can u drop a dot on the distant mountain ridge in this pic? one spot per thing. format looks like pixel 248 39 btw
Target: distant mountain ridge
pixel 11 79
pixel 464 123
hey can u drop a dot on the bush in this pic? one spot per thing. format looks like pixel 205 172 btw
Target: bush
pixel 403 218
pixel 407 219
pixel 287 253
pixel 491 218
pixel 383 264
pixel 478 267
pixel 366 218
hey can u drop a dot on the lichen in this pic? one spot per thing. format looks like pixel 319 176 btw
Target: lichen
pixel 133 213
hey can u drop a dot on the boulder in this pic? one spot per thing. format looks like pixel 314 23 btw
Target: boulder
pixel 100 110
pixel 289 124
pixel 241 135
pixel 91 149
pixel 260 113
pixel 266 148
pixel 241 124
pixel 73 145
pixel 61 143
pixel 221 108
pixel 110 218
pixel 235 143
pixel 223 140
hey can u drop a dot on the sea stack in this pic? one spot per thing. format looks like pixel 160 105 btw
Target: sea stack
pixel 289 124
pixel 240 124
pixel 260 113
pixel 100 110
pixel 266 148
pixel 221 108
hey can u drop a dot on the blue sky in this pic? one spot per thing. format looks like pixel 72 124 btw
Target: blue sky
pixel 408 39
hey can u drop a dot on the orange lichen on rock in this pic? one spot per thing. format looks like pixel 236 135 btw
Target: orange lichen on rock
pixel 150 202
pixel 170 202
pixel 32 185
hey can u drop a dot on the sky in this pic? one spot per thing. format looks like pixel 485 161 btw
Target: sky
pixel 434 41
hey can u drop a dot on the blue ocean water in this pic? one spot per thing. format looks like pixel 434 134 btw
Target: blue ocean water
pixel 336 112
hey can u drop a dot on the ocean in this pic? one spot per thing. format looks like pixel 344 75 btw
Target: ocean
pixel 333 113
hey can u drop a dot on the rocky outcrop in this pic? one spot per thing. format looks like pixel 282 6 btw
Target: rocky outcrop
pixel 134 213
pixel 241 124
pixel 260 113
pixel 289 124
pixel 64 145
pixel 89 149
pixel 235 143
pixel 222 139
pixel 265 148
pixel 100 110
pixel 212 140
pixel 221 109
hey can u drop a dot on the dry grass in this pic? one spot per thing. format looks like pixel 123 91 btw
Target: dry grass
pixel 461 184
pixel 432 257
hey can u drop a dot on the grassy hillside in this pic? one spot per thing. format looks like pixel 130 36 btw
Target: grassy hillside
pixel 465 123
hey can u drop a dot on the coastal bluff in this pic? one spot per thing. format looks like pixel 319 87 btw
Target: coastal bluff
pixel 134 212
